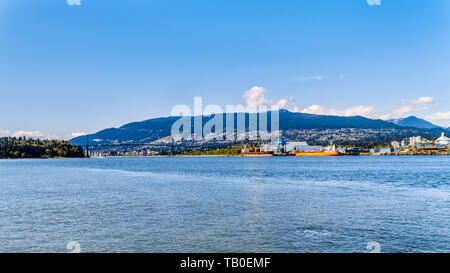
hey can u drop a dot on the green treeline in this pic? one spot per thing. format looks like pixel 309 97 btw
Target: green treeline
pixel 35 148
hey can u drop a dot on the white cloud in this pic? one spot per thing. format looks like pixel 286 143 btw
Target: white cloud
pixel 73 2
pixel 5 133
pixel 78 134
pixel 420 104
pixel 296 109
pixel 282 103
pixel 439 116
pixel 359 111
pixel 33 134
pixel 255 97
pixel 341 76
pixel 310 78
pixel 352 111
pixel 424 100
pixel 29 134
pixel 313 109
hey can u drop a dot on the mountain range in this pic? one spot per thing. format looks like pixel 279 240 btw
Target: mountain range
pixel 315 129
pixel 415 122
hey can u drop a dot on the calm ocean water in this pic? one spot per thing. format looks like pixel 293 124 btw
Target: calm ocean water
pixel 222 204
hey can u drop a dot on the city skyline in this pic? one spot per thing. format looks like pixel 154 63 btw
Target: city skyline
pixel 72 69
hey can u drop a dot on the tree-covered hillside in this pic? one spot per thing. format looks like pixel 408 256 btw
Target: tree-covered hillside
pixel 154 129
pixel 35 148
pixel 315 129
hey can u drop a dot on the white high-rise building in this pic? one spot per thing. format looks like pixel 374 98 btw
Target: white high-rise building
pixel 415 141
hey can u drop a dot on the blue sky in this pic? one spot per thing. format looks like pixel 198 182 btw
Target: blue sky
pixel 67 69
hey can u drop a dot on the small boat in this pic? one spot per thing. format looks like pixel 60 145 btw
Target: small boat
pixel 316 153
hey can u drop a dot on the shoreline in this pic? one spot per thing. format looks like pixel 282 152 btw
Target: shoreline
pixel 181 156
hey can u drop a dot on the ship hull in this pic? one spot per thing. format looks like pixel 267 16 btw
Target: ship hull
pixel 318 153
pixel 256 154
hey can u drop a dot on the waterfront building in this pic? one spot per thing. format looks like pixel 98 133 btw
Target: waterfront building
pixel 415 141
pixel 356 150
pixel 443 140
pixel 301 146
pixel 290 147
pixel 381 151
pixel 395 144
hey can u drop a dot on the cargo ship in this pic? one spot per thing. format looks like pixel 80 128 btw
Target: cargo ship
pixel 284 148
pixel 326 151
pixel 316 153
pixel 256 154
